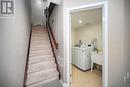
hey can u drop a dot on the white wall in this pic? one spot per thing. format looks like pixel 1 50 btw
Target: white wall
pixel 73 36
pixel 119 33
pixel 14 37
pixel 119 48
pixel 57 27
pixel 88 33
pixel 38 16
pixel 74 3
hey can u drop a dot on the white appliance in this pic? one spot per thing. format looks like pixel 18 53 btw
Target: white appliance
pixel 81 57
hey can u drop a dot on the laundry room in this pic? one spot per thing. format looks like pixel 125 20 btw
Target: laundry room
pixel 87 48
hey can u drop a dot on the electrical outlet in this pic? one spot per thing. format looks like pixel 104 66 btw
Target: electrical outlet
pixel 125 79
pixel 128 75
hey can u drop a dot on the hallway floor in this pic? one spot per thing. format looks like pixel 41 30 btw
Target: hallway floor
pixel 55 83
pixel 86 79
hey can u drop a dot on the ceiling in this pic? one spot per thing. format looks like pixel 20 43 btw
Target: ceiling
pixel 86 17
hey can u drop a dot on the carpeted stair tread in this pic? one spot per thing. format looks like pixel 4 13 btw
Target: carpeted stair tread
pixel 41 75
pixel 42 67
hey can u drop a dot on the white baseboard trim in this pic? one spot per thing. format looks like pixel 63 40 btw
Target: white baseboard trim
pixel 61 82
pixel 64 84
pixel 60 61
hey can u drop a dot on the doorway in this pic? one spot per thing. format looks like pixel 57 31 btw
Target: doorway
pixel 67 36
pixel 87 50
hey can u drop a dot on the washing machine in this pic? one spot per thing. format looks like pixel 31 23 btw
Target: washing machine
pixel 81 57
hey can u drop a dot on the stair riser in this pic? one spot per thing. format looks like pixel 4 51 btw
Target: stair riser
pixel 43 78
pixel 35 68
pixel 35 38
pixel 40 69
pixel 40 51
pixel 39 35
pixel 41 57
pixel 48 42
pixel 37 60
pixel 40 43
pixel 31 75
pixel 40 54
pixel 40 32
pixel 34 30
pixel 42 48
pixel 39 28
pixel 39 46
pixel 39 78
pixel 38 39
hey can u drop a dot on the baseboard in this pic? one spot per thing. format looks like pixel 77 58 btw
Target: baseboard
pixel 60 61
pixel 64 84
pixel 61 82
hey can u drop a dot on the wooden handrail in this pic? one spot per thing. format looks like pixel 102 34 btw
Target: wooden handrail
pixel 54 45
pixel 52 36
pixel 53 42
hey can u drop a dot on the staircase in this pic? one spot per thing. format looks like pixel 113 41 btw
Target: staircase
pixel 42 68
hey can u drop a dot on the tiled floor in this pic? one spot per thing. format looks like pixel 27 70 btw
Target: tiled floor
pixel 86 79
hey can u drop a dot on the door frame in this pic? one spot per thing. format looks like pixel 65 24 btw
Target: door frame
pixel 67 40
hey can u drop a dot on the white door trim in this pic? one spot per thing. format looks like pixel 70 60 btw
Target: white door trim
pixel 67 39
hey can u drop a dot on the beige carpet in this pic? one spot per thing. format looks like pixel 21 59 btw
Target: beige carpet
pixel 42 68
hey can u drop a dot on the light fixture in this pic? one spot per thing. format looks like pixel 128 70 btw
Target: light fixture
pixel 80 21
